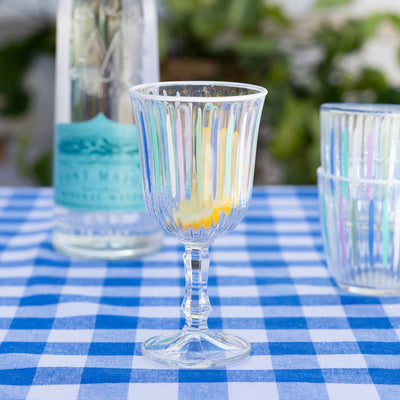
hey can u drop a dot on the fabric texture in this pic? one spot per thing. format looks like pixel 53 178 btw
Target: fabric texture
pixel 72 329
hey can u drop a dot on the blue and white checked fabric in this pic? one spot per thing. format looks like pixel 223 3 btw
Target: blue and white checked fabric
pixel 72 329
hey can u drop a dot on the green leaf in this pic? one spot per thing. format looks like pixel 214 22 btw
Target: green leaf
pixel 275 13
pixel 331 3
pixel 23 143
pixel 254 47
pixel 290 132
pixel 395 20
pixel 42 168
pixel 16 57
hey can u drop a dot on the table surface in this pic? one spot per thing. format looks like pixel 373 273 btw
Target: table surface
pixel 72 329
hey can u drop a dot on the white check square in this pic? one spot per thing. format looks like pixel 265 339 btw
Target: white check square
pixel 52 392
pixel 62 361
pixel 347 391
pixel 253 391
pixel 342 361
pixel 76 309
pixel 147 391
pixel 332 335
pixel 70 335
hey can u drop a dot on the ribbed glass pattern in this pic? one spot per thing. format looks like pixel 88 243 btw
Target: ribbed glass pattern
pixel 198 145
pixel 359 191
pixel 360 140
pixel 360 221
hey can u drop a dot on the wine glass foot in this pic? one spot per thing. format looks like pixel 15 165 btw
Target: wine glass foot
pixel 197 350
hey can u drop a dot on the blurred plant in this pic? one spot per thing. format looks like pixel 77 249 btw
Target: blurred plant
pixel 238 36
pixel 253 41
pixel 240 40
pixel 39 170
pixel 296 138
pixel 330 3
pixel 17 56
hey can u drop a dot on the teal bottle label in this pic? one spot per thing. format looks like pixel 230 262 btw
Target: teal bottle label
pixel 97 166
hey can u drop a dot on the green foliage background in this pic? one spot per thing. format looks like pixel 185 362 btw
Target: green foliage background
pixel 246 40
pixel 241 40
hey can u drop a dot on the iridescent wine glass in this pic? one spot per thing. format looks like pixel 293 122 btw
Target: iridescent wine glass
pixel 197 144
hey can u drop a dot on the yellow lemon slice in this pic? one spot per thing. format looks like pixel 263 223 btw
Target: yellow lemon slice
pixel 202 210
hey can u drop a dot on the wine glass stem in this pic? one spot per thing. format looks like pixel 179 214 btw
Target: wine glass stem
pixel 196 304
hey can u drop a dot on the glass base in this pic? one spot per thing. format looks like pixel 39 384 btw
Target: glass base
pixel 368 291
pixel 197 350
pixel 107 249
pixel 104 235
pixel 377 282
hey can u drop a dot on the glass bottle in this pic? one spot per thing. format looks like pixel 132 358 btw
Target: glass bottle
pixel 103 48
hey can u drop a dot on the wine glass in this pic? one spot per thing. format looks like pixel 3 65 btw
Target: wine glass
pixel 197 144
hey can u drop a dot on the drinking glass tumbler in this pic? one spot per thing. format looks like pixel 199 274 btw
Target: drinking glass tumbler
pixel 360 221
pixel 197 144
pixel 361 140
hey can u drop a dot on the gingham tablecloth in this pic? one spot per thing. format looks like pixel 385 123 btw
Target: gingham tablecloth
pixel 72 329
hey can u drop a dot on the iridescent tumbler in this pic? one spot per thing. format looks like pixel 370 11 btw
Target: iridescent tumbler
pixel 197 143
